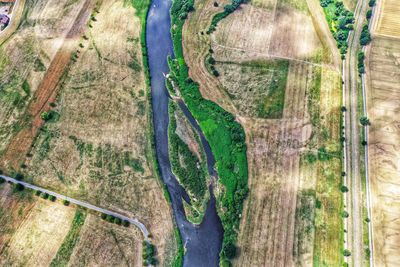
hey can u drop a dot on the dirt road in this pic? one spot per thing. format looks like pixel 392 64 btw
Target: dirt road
pixel 134 221
pixel 353 137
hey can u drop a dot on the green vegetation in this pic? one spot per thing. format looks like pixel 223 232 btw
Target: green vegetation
pixel 178 261
pixel 364 121
pixel 340 22
pixel 65 251
pixel 361 58
pixel 272 105
pixel 228 9
pixel 190 170
pixel 225 136
pixel 148 254
pixel 365 37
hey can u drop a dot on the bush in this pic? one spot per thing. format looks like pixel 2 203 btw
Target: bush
pixel 118 221
pixel 369 14
pixel 19 177
pixel 364 143
pixel 126 223
pixel 110 218
pixel 345 214
pixel 45 195
pixel 19 187
pixel 364 121
pixel 52 198
pixel 38 192
pixel 346 253
pixel 365 37
pixel 372 3
pixel 216 4
pixel 66 202
pixel 103 216
pixel 344 189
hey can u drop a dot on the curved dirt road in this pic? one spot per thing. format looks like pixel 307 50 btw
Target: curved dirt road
pixel 134 221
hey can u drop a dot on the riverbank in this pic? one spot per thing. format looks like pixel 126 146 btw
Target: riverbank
pixel 142 8
pixel 225 136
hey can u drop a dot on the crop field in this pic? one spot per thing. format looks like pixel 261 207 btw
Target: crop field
pixel 39 235
pixel 292 214
pixel 389 19
pixel 95 145
pixel 32 62
pixel 13 210
pixel 383 107
pixel 106 243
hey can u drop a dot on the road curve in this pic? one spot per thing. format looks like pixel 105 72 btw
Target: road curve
pixel 134 221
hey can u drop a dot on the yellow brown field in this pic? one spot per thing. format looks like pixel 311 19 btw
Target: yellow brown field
pixel 75 118
pixel 286 94
pixel 389 19
pixel 384 143
pixel 40 228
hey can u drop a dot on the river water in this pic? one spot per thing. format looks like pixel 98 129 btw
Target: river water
pixel 202 242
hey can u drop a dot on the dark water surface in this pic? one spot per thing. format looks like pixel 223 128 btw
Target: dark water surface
pixel 202 242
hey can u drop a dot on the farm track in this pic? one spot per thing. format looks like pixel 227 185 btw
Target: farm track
pixel 46 92
pixel 353 137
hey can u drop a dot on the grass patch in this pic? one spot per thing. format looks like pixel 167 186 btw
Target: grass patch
pixel 65 251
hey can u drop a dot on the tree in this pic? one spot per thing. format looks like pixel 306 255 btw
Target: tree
pixel 364 143
pixel 372 3
pixel 104 216
pixel 344 189
pixel 19 187
pixel 369 14
pixel 118 221
pixel 364 121
pixel 125 223
pixel 110 218
pixel 52 198
pixel 345 214
pixel 18 177
pixel 45 195
pixel 45 116
pixel 230 250
pixel 346 253
pixel 38 192
pixel 66 202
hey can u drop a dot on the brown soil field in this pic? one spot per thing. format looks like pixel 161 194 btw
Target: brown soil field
pixel 98 145
pixel 292 214
pixel 105 244
pixel 13 210
pixel 389 19
pixel 38 238
pixel 32 66
pixel 384 145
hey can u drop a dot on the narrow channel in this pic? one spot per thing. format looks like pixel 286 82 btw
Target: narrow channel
pixel 202 242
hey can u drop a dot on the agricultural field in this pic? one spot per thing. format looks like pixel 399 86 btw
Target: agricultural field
pixel 287 98
pixel 389 19
pixel 383 74
pixel 33 228
pixel 75 119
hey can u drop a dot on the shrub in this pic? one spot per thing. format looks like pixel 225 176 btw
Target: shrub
pixel 52 198
pixel 38 192
pixel 103 216
pixel 364 143
pixel 18 177
pixel 344 189
pixel 369 14
pixel 66 202
pixel 346 253
pixel 216 4
pixel 118 221
pixel 110 218
pixel 364 121
pixel 345 214
pixel 19 187
pixel 372 3
pixel 45 195
pixel 126 223
pixel 343 109
pixel 365 37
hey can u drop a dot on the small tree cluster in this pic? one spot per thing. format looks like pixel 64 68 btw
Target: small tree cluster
pixel 361 58
pixel 113 219
pixel 365 37
pixel 148 254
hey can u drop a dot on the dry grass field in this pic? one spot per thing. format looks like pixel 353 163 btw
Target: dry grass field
pixel 33 61
pixel 97 145
pixel 37 239
pixel 384 144
pixel 13 210
pixel 81 61
pixel 389 19
pixel 105 244
pixel 292 215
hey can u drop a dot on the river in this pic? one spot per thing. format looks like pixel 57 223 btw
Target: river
pixel 202 242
